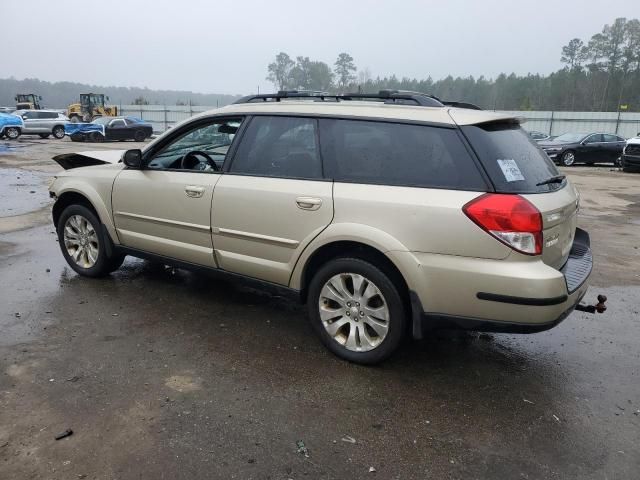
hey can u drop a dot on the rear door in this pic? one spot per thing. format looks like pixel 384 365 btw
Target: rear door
pixel 272 200
pixel 614 146
pixel 517 166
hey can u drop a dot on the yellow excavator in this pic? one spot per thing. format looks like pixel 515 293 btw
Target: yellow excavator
pixel 91 106
pixel 28 101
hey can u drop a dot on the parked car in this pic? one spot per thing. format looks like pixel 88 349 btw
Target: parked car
pixel 43 122
pixel 385 219
pixel 571 148
pixel 631 154
pixel 110 128
pixel 11 126
pixel 539 136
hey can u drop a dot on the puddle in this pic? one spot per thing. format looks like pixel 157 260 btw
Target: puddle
pixel 10 147
pixel 22 191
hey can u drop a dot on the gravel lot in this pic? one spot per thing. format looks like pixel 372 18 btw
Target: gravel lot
pixel 166 374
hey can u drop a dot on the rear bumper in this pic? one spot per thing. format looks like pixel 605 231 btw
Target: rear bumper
pixel 523 296
pixel 631 161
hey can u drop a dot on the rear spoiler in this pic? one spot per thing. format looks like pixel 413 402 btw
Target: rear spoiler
pixel 88 159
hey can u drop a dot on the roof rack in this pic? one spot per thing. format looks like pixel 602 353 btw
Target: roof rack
pixel 398 97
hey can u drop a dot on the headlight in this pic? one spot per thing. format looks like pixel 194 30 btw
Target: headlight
pixel 553 149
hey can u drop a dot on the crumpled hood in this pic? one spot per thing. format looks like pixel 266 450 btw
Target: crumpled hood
pixel 87 159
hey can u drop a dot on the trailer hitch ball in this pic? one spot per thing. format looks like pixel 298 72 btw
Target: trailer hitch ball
pixel 599 307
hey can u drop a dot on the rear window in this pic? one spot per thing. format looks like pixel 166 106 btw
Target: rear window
pixel 513 161
pixel 397 154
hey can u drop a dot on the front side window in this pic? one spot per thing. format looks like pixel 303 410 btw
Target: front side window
pixel 117 123
pixel 397 154
pixel 279 147
pixel 596 138
pixel 200 148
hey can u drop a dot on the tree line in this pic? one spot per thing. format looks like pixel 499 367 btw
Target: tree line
pixel 62 94
pixel 600 74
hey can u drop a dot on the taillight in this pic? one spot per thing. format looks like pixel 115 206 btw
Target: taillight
pixel 511 219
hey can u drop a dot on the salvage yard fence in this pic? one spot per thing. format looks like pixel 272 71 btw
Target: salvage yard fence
pixel 625 124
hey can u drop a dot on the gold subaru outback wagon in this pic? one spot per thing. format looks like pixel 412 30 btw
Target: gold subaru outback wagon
pixel 389 214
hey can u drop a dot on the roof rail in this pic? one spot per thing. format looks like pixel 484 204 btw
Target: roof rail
pixel 399 97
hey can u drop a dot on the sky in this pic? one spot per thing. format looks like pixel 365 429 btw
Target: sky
pixel 225 46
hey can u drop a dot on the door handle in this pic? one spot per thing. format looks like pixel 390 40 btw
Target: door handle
pixel 194 191
pixel 308 203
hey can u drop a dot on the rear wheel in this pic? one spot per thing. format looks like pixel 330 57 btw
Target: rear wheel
pixel 96 137
pixel 12 133
pixel 139 136
pixel 43 135
pixel 83 243
pixel 568 158
pixel 58 132
pixel 356 310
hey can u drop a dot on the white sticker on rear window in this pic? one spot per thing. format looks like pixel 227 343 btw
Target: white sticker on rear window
pixel 510 170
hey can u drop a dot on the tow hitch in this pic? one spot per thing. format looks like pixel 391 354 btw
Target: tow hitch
pixel 599 307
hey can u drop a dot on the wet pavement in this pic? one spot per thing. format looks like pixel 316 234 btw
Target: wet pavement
pixel 166 374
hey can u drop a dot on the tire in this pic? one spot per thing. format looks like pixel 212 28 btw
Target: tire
pixel 618 162
pixel 79 228
pixel 12 133
pixel 58 132
pixel 139 136
pixel 43 135
pixel 568 158
pixel 322 303
pixel 96 137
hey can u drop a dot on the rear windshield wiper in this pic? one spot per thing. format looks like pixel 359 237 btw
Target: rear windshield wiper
pixel 554 179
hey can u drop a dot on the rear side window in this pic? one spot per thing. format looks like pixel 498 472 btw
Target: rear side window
pixel 283 147
pixel 397 154
pixel 513 161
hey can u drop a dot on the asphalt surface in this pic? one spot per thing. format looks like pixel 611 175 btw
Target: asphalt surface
pixel 166 374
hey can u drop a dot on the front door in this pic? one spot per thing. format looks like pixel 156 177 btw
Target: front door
pixel 273 199
pixel 592 150
pixel 165 208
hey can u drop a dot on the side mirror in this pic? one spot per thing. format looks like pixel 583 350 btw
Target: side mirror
pixel 24 117
pixel 133 158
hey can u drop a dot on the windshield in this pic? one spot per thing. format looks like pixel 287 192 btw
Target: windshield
pixel 102 120
pixel 512 159
pixel 569 137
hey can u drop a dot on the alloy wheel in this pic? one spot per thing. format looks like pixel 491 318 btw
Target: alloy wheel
pixel 354 312
pixel 568 159
pixel 81 241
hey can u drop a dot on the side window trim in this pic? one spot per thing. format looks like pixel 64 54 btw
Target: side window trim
pixel 231 156
pixel 176 133
pixel 148 155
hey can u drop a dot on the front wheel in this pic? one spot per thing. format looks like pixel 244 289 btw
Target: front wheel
pixel 83 243
pixel 618 162
pixel 568 158
pixel 58 132
pixel 12 133
pixel 96 137
pixel 356 310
